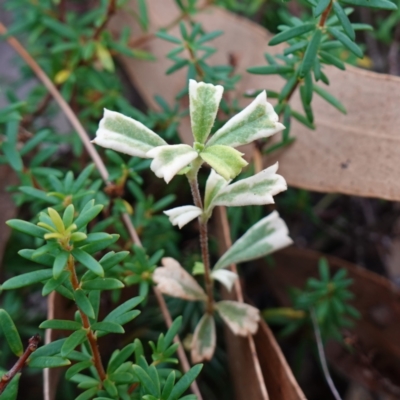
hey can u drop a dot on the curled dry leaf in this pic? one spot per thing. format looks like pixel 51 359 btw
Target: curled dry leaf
pixel 175 281
pixel 204 340
pixel 241 318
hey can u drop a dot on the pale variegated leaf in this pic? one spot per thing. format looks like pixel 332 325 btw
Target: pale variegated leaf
pixel 258 189
pixel 204 101
pixel 266 236
pixel 258 120
pixel 175 281
pixel 241 318
pixel 204 340
pixel 224 276
pixel 169 160
pixel 226 161
pixel 182 215
pixel 126 135
pixel 215 183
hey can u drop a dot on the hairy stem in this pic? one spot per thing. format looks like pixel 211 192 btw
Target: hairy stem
pixel 322 357
pixel 194 186
pixel 7 377
pixel 86 324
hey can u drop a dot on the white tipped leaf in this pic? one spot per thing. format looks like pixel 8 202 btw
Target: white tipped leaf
pixel 257 190
pixel 204 101
pixel 224 276
pixel 258 120
pixel 170 159
pixel 182 215
pixel 215 183
pixel 226 161
pixel 126 135
pixel 241 318
pixel 175 281
pixel 204 340
pixel 266 236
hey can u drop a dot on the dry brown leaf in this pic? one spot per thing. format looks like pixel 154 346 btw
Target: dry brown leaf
pixel 337 156
pixel 376 360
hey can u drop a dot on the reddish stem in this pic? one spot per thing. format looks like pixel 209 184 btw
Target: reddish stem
pixel 7 377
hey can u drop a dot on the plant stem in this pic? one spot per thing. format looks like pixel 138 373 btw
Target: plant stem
pixel 7 377
pixel 111 10
pixel 86 324
pixel 194 186
pixel 322 357
pixel 325 14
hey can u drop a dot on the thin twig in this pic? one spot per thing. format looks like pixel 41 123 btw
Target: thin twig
pixel 111 10
pixel 322 357
pixel 223 219
pixel 7 377
pixel 97 161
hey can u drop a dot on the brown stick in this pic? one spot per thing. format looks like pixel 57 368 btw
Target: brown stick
pixel 223 219
pixel 96 159
pixel 7 377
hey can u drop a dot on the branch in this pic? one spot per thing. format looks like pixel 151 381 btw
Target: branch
pixel 223 220
pixel 322 357
pixel 99 165
pixel 7 377
pixel 111 10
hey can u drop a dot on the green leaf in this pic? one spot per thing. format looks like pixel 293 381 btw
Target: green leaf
pixel 68 215
pixel 26 227
pixel 168 386
pixel 59 263
pixel 11 333
pixel 76 368
pixel 172 332
pixel 49 362
pixel 124 307
pixel 308 88
pixel 321 6
pixel 99 245
pixel 268 235
pixel 120 358
pixel 311 53
pixel 380 4
pixel 88 261
pixel 12 156
pixel 144 379
pixel 87 215
pixel 270 69
pixel 104 56
pixel 111 259
pixel 60 324
pixel 126 135
pixel 344 20
pixel 226 161
pixel 328 58
pixel 106 326
pixel 27 279
pixel 102 284
pixel 169 38
pixel 258 120
pixel 11 390
pixel 88 394
pixel 53 284
pixel 291 33
pixel 185 382
pixel 110 388
pixel 38 194
pixel 204 339
pixel 204 101
pixel 330 98
pixel 83 303
pixel 143 15
pixel 74 340
pixel 346 41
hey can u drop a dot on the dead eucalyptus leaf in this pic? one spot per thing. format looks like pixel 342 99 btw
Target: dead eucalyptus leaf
pixel 175 281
